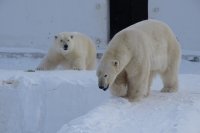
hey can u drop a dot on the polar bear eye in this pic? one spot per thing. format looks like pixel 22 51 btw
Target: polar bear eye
pixel 61 40
pixel 105 75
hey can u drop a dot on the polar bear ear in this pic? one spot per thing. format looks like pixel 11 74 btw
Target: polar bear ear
pixel 55 37
pixel 115 63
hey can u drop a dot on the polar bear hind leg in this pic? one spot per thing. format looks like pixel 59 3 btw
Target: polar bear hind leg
pixel 170 79
pixel 170 75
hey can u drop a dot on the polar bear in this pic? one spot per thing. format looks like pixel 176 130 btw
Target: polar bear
pixel 135 55
pixel 71 50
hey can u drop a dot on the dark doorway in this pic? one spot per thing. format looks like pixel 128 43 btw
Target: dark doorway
pixel 124 13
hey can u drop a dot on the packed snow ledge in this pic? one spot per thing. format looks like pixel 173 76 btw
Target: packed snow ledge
pixel 42 102
pixel 158 113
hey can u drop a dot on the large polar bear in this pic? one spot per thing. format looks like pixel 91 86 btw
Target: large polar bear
pixel 71 50
pixel 135 55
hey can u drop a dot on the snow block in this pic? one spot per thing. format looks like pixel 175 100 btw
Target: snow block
pixel 42 101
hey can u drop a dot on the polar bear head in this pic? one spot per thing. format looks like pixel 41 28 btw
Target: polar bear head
pixel 107 71
pixel 64 42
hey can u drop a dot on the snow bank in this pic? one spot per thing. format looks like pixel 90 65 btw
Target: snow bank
pixel 159 113
pixel 41 102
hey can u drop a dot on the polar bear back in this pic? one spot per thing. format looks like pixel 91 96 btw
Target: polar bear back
pixel 157 35
pixel 87 47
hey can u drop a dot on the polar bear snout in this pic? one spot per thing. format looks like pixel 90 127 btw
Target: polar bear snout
pixel 65 47
pixel 103 86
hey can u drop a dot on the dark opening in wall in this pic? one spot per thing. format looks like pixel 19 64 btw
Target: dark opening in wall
pixel 124 13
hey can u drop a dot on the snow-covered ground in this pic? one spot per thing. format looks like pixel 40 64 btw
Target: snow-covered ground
pixel 42 102
pixel 158 113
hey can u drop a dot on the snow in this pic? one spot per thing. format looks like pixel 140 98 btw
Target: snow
pixel 70 102
pixel 158 113
pixel 20 58
pixel 41 102
pixel 170 114
pixel 189 67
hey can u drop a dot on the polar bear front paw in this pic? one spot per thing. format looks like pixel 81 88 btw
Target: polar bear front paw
pixel 119 90
pixel 77 68
pixel 135 99
pixel 40 68
pixel 169 90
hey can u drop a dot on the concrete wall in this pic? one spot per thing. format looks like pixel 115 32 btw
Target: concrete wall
pixel 182 16
pixel 33 23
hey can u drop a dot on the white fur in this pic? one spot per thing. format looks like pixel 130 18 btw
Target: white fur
pixel 140 52
pixel 80 55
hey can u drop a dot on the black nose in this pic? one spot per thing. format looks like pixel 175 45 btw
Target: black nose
pixel 65 47
pixel 104 88
pixel 101 87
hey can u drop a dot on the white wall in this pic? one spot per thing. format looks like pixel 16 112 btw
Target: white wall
pixel 33 23
pixel 182 16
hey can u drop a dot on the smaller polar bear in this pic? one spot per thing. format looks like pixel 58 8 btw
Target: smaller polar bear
pixel 135 55
pixel 71 50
